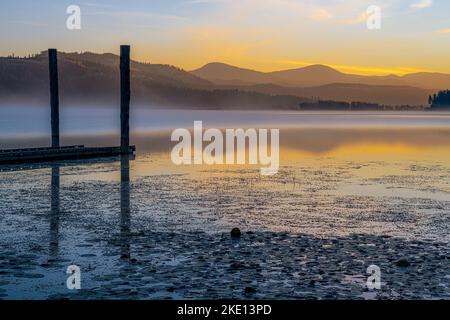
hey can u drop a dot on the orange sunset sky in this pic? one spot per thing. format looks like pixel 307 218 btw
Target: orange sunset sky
pixel 264 35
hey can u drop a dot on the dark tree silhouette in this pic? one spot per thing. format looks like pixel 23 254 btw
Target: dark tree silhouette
pixel 355 105
pixel 441 100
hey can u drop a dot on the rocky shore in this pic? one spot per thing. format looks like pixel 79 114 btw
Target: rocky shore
pixel 260 265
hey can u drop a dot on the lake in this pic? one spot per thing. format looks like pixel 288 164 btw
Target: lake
pixel 353 190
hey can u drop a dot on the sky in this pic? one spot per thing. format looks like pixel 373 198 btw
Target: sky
pixel 264 35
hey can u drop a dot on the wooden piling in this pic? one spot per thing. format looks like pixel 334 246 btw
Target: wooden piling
pixel 125 94
pixel 54 95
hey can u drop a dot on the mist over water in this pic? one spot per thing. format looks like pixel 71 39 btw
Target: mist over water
pixel 31 120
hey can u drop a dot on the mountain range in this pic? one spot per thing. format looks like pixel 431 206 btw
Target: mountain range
pixel 94 78
pixel 315 75
pixel 326 83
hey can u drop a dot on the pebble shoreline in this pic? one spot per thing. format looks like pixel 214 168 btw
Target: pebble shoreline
pixel 258 265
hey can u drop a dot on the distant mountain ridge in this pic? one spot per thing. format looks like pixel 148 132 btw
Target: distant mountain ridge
pixel 94 78
pixel 90 78
pixel 315 75
pixel 348 92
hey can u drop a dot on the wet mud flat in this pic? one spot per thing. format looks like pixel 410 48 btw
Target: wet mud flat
pixel 258 265
pixel 145 230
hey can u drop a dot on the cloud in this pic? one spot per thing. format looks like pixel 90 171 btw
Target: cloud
pixel 96 5
pixel 443 31
pixel 321 14
pixel 422 4
pixel 359 19
pixel 143 15
pixel 203 1
pixel 30 23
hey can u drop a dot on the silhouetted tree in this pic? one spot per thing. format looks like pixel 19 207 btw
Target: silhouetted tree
pixel 441 100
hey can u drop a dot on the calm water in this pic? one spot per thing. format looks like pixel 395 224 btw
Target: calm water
pixel 373 174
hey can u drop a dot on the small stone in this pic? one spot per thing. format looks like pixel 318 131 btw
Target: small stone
pixel 402 263
pixel 249 290
pixel 235 233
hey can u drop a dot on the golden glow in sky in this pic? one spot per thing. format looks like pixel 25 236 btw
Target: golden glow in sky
pixel 265 35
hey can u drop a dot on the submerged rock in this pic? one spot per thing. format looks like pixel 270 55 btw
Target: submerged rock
pixel 235 233
pixel 402 263
pixel 249 290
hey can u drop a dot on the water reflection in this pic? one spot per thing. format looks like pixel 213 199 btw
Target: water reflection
pixel 55 212
pixel 55 205
pixel 125 206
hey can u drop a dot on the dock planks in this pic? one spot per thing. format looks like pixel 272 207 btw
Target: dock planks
pixel 13 156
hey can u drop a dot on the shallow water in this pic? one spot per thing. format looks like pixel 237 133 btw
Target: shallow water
pixel 352 190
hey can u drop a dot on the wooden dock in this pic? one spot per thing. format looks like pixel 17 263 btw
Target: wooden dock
pixel 57 152
pixel 15 156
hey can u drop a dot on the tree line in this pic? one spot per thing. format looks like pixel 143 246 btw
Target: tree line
pixel 440 100
pixel 355 105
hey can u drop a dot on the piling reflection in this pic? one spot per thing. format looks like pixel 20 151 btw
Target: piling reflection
pixel 125 206
pixel 54 212
pixel 125 216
